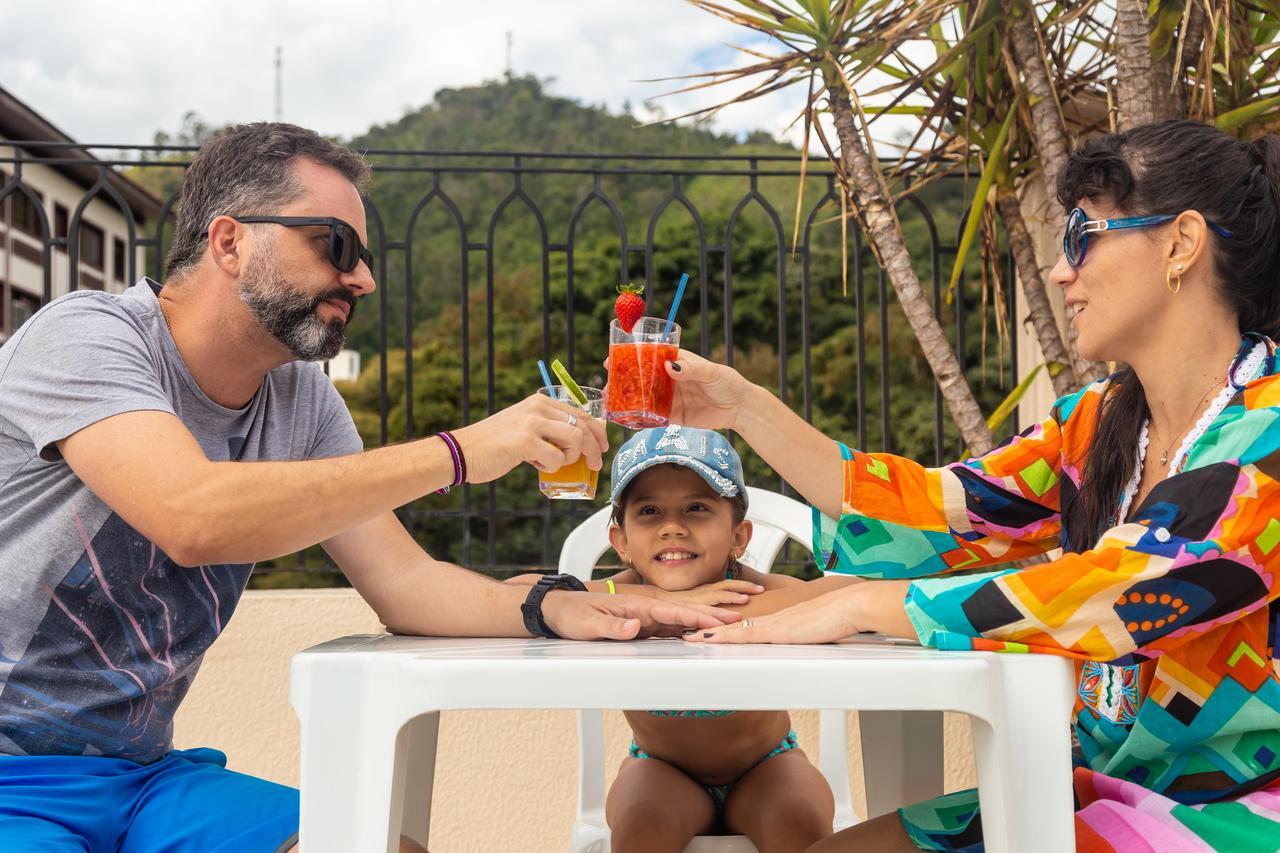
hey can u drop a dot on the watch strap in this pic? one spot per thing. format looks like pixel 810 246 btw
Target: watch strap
pixel 531 610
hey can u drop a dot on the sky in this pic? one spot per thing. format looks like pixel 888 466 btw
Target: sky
pixel 118 72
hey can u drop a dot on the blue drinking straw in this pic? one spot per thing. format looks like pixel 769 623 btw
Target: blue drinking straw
pixel 675 306
pixel 546 378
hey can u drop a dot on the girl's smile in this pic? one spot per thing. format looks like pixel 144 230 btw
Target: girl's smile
pixel 676 531
pixel 675 556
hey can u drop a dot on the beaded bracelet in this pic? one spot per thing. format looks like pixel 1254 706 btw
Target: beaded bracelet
pixel 459 461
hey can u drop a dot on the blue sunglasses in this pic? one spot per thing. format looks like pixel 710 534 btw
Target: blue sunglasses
pixel 1075 239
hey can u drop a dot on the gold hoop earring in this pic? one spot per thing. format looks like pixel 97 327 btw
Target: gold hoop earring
pixel 1168 281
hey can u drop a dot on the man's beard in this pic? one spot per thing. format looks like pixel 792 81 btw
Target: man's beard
pixel 289 314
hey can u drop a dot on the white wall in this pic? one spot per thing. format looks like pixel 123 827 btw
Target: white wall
pixel 1044 220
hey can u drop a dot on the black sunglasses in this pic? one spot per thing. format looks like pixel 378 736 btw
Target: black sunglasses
pixel 345 248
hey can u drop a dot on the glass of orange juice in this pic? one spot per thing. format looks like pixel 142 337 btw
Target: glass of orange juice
pixel 574 481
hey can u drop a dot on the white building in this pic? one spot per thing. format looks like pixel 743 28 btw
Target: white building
pixel 344 367
pixel 57 191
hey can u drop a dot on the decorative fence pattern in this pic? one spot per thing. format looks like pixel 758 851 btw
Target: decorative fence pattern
pixel 444 213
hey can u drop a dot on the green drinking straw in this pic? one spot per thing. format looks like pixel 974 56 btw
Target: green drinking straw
pixel 675 306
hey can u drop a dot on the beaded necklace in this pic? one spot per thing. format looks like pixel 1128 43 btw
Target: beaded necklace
pixel 1241 370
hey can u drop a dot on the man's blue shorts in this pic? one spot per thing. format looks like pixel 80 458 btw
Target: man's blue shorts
pixel 186 802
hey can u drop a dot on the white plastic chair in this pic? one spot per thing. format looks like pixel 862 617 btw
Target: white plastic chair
pixel 775 518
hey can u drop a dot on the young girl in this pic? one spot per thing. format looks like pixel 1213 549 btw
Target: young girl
pixel 679 508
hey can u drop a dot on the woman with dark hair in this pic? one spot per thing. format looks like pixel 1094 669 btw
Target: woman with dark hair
pixel 1161 485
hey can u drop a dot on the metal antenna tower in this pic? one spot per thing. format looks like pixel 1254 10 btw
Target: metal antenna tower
pixel 279 83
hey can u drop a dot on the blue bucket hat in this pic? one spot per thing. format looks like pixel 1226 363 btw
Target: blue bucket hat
pixel 702 450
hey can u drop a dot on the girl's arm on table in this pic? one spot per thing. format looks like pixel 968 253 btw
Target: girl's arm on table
pixel 793 591
pixel 624 582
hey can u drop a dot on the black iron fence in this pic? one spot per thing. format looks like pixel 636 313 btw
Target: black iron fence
pixel 489 260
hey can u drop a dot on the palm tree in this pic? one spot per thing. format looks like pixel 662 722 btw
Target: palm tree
pixel 1209 60
pixel 1145 90
pixel 1027 48
pixel 824 45
pixel 1227 65
pixel 1011 86
pixel 1048 132
pixel 976 83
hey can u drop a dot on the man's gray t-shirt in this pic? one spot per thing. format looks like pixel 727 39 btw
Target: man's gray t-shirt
pixel 100 632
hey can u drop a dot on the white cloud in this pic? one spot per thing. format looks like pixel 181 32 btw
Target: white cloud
pixel 118 72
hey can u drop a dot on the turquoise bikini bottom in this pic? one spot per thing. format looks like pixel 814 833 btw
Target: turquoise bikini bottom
pixel 720 793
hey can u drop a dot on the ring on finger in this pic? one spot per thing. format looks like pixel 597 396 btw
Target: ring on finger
pixel 573 419
pixel 745 623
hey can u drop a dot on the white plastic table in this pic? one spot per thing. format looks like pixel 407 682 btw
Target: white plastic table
pixel 369 708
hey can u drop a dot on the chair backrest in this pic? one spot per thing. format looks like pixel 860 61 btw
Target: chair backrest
pixel 775 518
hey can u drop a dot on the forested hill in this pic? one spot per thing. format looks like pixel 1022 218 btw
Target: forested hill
pixel 518 114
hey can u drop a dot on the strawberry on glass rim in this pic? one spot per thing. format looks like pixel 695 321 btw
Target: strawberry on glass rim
pixel 629 306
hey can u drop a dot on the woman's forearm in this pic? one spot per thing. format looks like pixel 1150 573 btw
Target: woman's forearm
pixel 807 459
pixel 880 606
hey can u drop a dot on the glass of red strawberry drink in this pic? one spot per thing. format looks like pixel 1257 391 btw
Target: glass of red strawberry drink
pixel 640 390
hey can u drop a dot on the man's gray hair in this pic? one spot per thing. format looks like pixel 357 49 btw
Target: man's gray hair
pixel 247 170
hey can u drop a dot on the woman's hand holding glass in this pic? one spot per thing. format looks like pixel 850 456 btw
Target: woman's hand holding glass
pixel 707 394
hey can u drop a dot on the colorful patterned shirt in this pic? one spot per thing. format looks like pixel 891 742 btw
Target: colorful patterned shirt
pixel 1171 616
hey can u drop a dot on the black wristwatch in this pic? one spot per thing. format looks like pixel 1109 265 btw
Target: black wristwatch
pixel 531 610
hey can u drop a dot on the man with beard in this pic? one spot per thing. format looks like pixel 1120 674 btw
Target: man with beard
pixel 130 516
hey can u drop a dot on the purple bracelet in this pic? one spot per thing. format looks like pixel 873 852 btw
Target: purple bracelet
pixel 459 461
